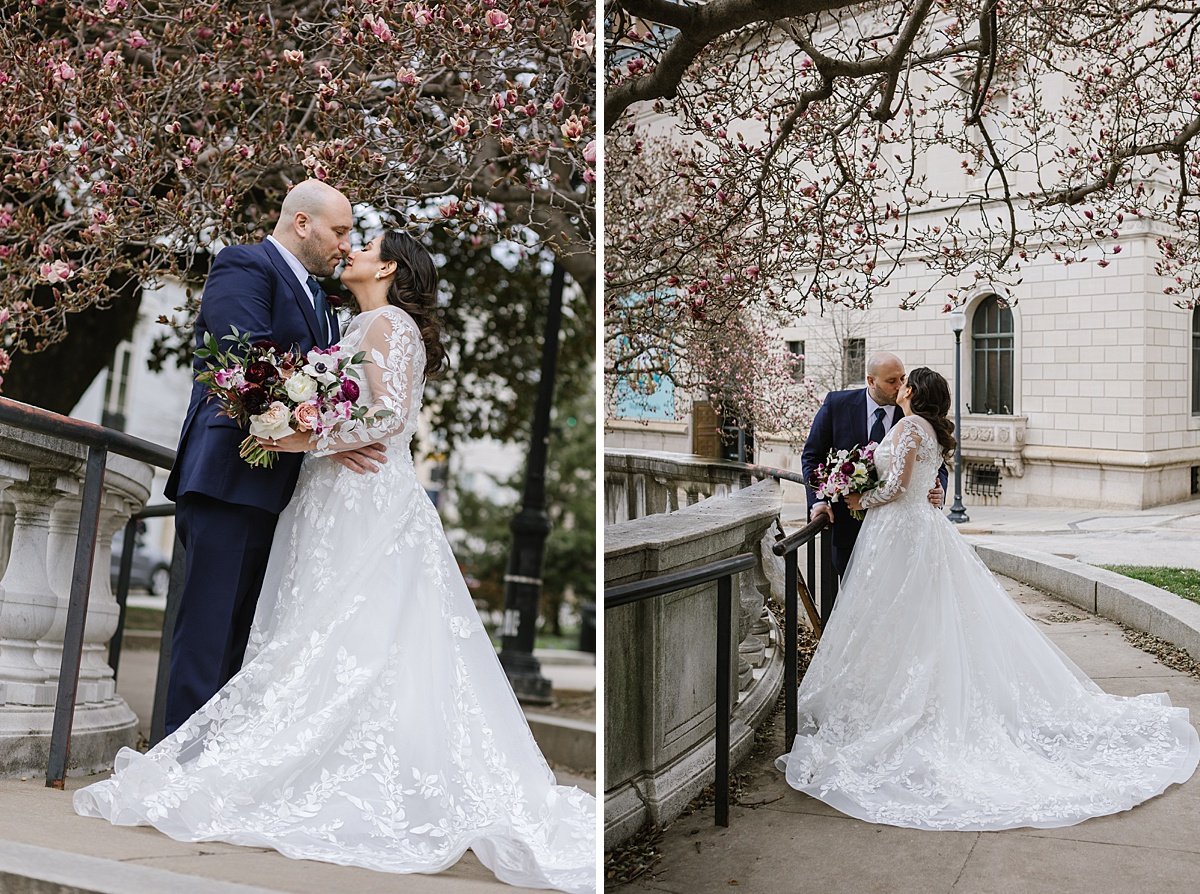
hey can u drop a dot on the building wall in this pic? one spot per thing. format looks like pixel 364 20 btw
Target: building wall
pixel 1101 387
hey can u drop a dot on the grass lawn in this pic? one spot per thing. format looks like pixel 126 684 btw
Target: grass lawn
pixel 1183 582
pixel 138 618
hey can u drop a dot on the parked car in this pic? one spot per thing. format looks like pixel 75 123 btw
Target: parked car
pixel 151 569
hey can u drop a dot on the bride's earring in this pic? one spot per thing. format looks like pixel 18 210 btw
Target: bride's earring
pixel 379 275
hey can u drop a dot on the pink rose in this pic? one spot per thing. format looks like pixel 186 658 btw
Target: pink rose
pixel 307 417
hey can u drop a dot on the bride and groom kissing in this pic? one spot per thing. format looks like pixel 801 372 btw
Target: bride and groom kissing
pixel 932 702
pixel 333 694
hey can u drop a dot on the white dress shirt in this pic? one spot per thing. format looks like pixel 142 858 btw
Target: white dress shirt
pixel 889 415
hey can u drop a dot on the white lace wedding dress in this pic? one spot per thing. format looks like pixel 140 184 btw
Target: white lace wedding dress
pixel 371 723
pixel 933 702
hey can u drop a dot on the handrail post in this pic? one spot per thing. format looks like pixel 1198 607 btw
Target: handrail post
pixel 81 582
pixel 123 578
pixel 724 647
pixel 790 632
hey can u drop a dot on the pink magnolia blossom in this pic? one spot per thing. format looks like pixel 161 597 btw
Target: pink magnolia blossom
pixel 498 21
pixel 56 272
pixel 572 128
pixel 583 43
pixel 421 15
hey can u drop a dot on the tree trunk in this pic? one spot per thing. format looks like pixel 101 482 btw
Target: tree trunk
pixel 56 378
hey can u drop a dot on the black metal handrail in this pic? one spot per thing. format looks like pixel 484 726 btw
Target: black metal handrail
pixel 722 572
pixel 100 441
pixel 788 547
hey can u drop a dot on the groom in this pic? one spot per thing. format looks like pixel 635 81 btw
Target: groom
pixel 226 510
pixel 850 419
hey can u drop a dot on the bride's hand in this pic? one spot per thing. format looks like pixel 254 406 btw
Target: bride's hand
pixel 854 501
pixel 296 442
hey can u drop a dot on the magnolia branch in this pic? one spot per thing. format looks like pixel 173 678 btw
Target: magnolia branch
pixel 698 28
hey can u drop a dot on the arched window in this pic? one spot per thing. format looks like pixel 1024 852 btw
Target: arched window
pixel 992 357
pixel 1196 361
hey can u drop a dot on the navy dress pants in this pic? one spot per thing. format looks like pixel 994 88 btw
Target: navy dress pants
pixel 227 547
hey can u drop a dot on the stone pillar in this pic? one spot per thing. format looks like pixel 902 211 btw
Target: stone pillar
pixel 28 603
pixel 41 478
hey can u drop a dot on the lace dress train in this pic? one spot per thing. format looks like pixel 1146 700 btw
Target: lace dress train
pixel 371 723
pixel 933 702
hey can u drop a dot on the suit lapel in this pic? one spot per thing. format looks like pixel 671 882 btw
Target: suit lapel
pixel 301 296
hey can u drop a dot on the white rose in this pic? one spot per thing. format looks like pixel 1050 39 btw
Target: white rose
pixel 300 387
pixel 273 423
pixel 860 471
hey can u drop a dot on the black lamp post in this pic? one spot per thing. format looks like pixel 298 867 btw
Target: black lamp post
pixel 530 527
pixel 958 512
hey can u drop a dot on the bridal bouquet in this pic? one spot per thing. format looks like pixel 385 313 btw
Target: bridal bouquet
pixel 280 392
pixel 846 472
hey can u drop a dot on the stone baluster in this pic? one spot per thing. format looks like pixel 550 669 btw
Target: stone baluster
pixel 9 472
pixel 103 611
pixel 28 602
pixel 95 676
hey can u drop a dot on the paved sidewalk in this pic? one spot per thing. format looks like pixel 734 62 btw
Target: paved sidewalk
pixel 96 856
pixel 1164 535
pixel 789 842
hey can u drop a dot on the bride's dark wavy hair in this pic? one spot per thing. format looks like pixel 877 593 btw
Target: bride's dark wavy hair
pixel 931 401
pixel 414 290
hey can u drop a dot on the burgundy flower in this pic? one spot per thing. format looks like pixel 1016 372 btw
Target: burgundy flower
pixel 847 468
pixel 266 344
pixel 350 390
pixel 260 372
pixel 335 299
pixel 254 398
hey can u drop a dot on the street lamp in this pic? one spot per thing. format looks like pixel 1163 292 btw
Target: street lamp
pixel 958 512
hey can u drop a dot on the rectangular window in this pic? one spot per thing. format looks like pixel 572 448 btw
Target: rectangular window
pixel 116 386
pixel 797 349
pixel 1196 362
pixel 854 362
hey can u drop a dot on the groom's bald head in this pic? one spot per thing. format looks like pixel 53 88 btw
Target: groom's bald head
pixel 314 224
pixel 885 375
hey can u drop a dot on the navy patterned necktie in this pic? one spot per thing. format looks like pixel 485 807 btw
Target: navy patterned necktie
pixel 321 306
pixel 877 430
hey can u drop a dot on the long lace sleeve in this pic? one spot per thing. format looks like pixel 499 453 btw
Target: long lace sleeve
pixel 908 438
pixel 393 368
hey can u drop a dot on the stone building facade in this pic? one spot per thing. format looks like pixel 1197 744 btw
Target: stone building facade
pixel 1083 391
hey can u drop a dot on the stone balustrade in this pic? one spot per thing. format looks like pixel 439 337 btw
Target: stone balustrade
pixel 41 482
pixel 678 512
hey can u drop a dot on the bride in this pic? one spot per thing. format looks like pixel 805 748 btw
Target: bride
pixel 371 723
pixel 932 701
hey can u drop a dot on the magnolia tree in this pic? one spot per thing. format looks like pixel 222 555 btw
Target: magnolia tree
pixel 137 136
pixel 786 156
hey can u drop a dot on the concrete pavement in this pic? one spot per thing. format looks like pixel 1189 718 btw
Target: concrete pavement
pixel 45 848
pixel 782 841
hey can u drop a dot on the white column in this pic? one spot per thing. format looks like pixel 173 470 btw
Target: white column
pixel 27 600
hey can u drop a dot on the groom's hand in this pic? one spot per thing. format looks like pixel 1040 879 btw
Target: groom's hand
pixel 364 459
pixel 937 496
pixel 822 510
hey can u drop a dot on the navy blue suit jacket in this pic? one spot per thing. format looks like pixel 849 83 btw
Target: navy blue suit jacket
pixel 841 424
pixel 251 287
